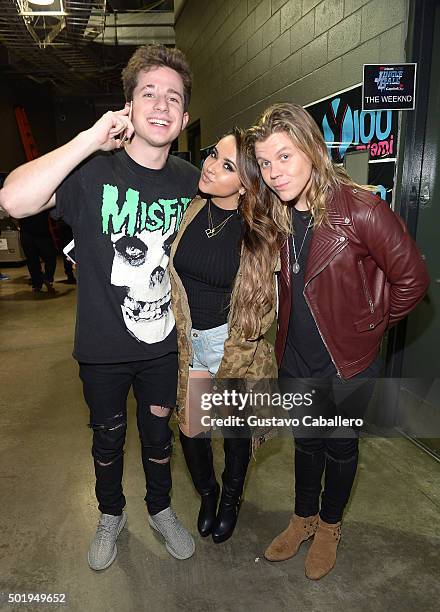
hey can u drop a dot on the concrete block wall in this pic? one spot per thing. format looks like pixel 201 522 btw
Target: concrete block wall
pixel 248 54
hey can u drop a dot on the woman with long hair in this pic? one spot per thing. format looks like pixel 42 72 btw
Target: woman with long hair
pixel 223 295
pixel 349 270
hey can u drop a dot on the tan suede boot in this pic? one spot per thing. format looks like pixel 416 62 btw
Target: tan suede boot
pixel 286 545
pixel 321 557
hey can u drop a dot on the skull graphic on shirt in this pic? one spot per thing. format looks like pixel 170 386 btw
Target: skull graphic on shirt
pixel 140 268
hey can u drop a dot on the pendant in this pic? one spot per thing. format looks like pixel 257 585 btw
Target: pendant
pixel 209 232
pixel 295 267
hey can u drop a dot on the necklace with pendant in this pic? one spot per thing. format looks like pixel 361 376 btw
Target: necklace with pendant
pixel 212 230
pixel 295 266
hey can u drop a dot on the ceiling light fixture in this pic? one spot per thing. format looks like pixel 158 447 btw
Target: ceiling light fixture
pixel 41 8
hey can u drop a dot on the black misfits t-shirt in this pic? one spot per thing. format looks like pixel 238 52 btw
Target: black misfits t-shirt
pixel 124 218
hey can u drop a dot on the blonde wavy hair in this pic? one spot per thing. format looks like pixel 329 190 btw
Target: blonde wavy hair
pixel 326 177
pixel 253 294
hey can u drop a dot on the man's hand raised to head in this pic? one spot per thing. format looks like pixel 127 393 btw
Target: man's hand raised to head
pixel 31 187
pixel 112 129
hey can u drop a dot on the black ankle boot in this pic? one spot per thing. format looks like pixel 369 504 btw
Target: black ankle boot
pixel 208 511
pixel 198 457
pixel 237 454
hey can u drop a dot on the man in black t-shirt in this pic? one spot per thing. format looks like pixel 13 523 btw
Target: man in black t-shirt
pixel 37 243
pixel 124 205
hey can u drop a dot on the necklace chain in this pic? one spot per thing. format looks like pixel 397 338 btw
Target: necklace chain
pixel 296 266
pixel 212 230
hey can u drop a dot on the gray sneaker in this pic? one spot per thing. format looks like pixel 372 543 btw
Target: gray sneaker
pixel 178 541
pixel 103 549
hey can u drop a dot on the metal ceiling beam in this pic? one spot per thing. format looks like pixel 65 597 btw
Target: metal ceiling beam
pixel 74 57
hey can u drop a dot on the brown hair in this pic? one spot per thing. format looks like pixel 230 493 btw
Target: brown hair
pixel 326 177
pixel 253 293
pixel 154 56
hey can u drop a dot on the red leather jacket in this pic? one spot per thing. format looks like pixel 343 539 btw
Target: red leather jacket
pixel 364 273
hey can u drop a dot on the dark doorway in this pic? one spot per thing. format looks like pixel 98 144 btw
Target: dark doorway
pixel 194 142
pixel 413 352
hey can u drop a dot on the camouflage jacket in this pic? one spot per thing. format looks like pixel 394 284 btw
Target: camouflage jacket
pixel 252 358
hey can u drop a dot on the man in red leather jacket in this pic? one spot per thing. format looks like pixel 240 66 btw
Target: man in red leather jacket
pixel 364 273
pixel 349 270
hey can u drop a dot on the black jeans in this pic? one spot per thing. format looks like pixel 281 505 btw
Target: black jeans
pixel 336 454
pixel 106 388
pixel 36 247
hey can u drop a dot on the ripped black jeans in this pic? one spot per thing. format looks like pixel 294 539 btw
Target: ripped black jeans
pixel 106 388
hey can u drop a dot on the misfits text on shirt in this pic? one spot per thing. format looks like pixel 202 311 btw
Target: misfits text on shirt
pixel 142 235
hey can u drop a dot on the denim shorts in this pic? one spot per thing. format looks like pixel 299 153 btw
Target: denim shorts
pixel 208 348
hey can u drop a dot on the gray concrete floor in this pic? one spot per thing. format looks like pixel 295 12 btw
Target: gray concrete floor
pixel 389 555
